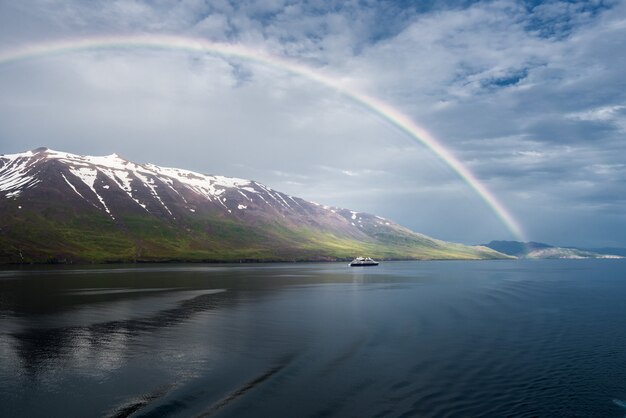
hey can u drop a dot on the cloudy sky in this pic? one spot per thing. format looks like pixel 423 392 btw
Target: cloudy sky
pixel 529 95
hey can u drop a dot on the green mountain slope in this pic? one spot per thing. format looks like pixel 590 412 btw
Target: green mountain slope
pixel 62 208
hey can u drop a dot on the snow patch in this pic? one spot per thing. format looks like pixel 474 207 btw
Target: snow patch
pixel 244 195
pixel 72 186
pixel 16 174
pixel 149 183
pixel 284 201
pixel 88 176
pixel 123 181
pixel 263 199
pixel 207 186
pixel 294 200
pixel 26 154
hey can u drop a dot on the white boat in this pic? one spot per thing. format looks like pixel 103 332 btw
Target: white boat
pixel 363 262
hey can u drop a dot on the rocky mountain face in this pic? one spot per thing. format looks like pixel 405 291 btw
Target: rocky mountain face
pixel 61 207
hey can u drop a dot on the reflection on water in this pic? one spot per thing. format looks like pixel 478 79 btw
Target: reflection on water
pixel 407 339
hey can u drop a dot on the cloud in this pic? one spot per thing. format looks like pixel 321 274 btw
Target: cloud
pixel 531 96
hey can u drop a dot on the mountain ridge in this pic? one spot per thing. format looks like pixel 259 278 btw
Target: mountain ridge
pixel 61 207
pixel 538 250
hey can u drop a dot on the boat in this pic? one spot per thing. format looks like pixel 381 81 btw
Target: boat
pixel 363 262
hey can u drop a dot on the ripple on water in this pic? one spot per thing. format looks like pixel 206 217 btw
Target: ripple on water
pixel 461 340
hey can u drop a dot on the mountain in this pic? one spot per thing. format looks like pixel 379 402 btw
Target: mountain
pixel 541 250
pixel 608 250
pixel 61 207
pixel 516 248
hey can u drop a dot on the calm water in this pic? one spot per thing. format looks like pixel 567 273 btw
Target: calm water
pixel 432 339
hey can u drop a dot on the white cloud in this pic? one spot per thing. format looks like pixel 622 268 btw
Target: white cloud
pixel 532 99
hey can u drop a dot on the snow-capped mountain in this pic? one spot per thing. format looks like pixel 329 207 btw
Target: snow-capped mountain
pixel 98 180
pixel 58 206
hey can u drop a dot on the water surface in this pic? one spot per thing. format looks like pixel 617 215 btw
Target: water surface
pixel 432 339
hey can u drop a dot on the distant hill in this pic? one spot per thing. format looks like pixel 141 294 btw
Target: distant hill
pixel 608 250
pixel 61 207
pixel 541 250
pixel 516 248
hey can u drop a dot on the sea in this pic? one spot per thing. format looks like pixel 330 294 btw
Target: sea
pixel 522 338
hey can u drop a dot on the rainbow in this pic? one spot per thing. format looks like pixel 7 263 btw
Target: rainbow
pixel 378 107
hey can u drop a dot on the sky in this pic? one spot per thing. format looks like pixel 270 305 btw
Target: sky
pixel 530 96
